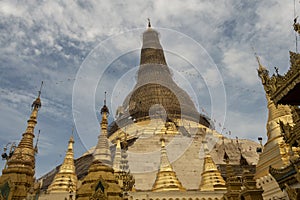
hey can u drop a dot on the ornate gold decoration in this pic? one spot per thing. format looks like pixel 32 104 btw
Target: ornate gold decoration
pixel 7 189
pixel 286 130
pixel 278 86
pixel 292 193
pixel 65 180
pixel 287 175
pixel 120 166
pixel 166 179
pixel 269 83
pixel 233 183
pixel 126 179
pixel 103 173
pixel 99 193
pixel 211 177
pixel 249 189
pixel 276 151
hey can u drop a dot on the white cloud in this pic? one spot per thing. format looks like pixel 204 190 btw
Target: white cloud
pixel 241 66
pixel 10 8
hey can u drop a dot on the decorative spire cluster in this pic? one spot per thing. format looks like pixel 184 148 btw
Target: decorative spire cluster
pixel 65 180
pixel 166 179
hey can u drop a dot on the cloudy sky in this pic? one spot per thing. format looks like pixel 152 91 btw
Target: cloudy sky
pixel 208 46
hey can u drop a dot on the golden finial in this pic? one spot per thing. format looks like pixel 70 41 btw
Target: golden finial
pixel 37 103
pixel 256 56
pixel 263 73
pixel 149 24
pixel 72 136
pixel 104 108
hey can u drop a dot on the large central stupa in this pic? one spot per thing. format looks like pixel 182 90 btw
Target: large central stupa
pixel 157 140
pixel 158 106
pixel 155 94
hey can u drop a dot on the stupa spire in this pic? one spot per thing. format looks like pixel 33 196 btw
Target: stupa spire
pixel 164 160
pixel 275 112
pixel 102 151
pixel 20 168
pixel 100 182
pixel 260 66
pixel 211 177
pixel 152 51
pixel 65 180
pixel 120 166
pixel 166 179
pixel 118 157
pixel 275 151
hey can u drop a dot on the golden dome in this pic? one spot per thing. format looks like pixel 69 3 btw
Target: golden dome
pixel 155 87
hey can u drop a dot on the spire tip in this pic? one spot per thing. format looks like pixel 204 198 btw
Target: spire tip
pixel 256 56
pixel 37 103
pixel 149 23
pixel 73 129
pixel 104 108
pixel 40 91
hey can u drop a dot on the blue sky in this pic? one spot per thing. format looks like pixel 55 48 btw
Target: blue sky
pixel 56 42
